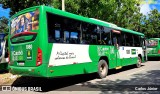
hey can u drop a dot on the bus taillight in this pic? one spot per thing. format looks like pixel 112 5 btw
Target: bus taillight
pixel 158 51
pixel 39 57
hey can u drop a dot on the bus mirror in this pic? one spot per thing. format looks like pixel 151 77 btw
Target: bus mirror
pixel 117 46
pixel 144 47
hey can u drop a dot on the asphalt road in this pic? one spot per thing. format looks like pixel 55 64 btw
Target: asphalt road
pixel 126 80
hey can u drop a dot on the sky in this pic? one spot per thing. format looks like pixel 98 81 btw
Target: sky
pixel 4 12
pixel 148 5
pixel 145 7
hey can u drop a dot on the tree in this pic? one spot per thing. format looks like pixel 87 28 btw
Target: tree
pixel 124 13
pixel 89 8
pixel 152 24
pixel 17 5
pixel 127 14
pixel 3 25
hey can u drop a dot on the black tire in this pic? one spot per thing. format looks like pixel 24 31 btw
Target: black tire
pixel 139 61
pixel 102 69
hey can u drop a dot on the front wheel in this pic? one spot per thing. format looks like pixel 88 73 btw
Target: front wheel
pixel 102 69
pixel 139 61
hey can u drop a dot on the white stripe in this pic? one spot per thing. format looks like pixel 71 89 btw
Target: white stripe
pixel 123 52
pixel 64 54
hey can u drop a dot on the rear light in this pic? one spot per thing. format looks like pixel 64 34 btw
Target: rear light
pixel 39 57
pixel 158 51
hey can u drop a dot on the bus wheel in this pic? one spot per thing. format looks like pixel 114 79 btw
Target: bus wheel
pixel 139 61
pixel 102 69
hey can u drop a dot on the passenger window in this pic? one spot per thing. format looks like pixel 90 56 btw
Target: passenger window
pixel 129 39
pixel 137 41
pixel 62 29
pixel 116 37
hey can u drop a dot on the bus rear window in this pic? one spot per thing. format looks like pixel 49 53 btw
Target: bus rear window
pixel 152 43
pixel 24 23
pixel 23 37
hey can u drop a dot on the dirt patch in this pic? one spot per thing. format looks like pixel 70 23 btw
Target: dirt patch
pixel 7 78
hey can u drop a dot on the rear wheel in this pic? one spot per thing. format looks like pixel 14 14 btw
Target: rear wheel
pixel 139 61
pixel 102 69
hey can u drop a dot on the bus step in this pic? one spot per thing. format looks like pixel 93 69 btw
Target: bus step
pixel 119 67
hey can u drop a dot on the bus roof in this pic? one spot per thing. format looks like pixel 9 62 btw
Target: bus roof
pixel 104 21
pixel 131 31
pixel 77 17
pixel 154 38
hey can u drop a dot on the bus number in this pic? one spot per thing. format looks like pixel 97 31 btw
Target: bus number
pixel 29 46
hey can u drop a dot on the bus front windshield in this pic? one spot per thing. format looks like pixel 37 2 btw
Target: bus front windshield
pixel 25 22
pixel 152 43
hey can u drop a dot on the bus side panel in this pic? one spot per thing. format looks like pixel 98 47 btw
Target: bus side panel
pixel 69 59
pixel 129 55
pixel 98 51
pixel 66 70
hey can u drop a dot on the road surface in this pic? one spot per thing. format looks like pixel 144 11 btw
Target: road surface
pixel 126 80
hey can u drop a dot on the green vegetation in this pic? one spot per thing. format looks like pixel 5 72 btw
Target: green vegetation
pixel 17 5
pixel 3 25
pixel 151 25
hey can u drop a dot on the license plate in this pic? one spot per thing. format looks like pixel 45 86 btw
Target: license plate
pixel 21 63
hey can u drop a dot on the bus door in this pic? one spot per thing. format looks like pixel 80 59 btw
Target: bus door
pixel 144 47
pixel 116 42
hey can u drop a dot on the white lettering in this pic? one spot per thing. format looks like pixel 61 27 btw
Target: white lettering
pixel 152 88
pixel 140 88
pixel 17 53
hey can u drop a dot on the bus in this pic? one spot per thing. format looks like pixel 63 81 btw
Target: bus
pixel 48 42
pixel 153 47
pixel 3 53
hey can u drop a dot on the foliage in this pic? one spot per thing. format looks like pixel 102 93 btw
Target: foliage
pixel 152 24
pixel 17 5
pixel 3 25
pixel 124 13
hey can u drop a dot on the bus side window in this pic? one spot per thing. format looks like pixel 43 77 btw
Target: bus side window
pixel 89 34
pixel 62 29
pixel 123 41
pixel 136 41
pixel 106 36
pixel 116 38
pixel 129 39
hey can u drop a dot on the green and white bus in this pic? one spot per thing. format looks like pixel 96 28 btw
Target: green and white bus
pixel 47 42
pixel 153 47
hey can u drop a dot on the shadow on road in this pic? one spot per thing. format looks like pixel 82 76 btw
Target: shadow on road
pixel 52 83
pixel 154 59
pixel 3 68
pixel 149 79
pixel 59 83
pixel 3 71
